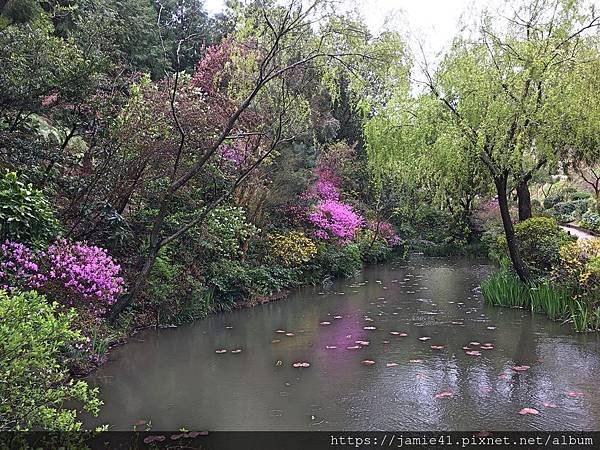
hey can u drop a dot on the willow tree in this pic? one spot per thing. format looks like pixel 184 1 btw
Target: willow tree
pixel 499 89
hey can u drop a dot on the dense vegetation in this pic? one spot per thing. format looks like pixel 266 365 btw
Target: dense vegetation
pixel 158 165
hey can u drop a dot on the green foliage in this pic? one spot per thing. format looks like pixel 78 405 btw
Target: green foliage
pixel 25 213
pixel 539 240
pixel 34 380
pixel 336 261
pixel 552 300
pixel 225 230
pixel 591 221
pixel 235 280
pixel 505 289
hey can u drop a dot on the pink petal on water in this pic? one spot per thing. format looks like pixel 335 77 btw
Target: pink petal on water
pixel 525 411
pixel 279 331
pixel 436 347
pixel 363 343
pixel 369 328
pixel 275 341
pixel 424 338
pixel 300 364
pixel 330 347
pixel 353 347
pixel 491 328
pixel 236 351
pixel 473 353
pixel 367 362
pixel 474 343
pixel 337 317
pixel 220 351
pixel 520 368
pixel 444 394
pixel 575 394
pixel 416 361
pixel 550 405
pixel 325 323
pixel 391 364
pixel 290 334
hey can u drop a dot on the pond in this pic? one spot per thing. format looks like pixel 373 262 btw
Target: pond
pixel 471 374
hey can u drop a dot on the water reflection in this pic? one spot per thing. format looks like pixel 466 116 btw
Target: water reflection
pixel 174 378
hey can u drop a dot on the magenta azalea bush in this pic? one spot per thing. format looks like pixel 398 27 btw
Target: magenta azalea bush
pixel 87 271
pixel 74 274
pixel 333 219
pixel 18 267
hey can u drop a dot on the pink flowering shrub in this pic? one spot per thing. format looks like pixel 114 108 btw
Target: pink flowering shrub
pixel 74 274
pixel 333 219
pixel 386 231
pixel 18 267
pixel 87 272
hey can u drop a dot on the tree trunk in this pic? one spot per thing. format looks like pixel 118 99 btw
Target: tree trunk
pixel 524 200
pixel 145 264
pixel 509 231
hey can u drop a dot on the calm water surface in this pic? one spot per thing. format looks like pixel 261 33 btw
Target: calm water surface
pixel 173 378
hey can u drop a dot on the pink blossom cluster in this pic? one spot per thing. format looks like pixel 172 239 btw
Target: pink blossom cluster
pixel 387 232
pixel 212 65
pixel 327 186
pixel 85 270
pixel 18 267
pixel 73 271
pixel 333 219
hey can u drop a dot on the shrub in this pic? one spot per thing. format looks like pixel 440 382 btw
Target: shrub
pixel 291 249
pixel 34 382
pixel 82 275
pixel 19 268
pixel 579 269
pixel 591 221
pixel 335 220
pixel 540 240
pixel 337 261
pixel 225 230
pixel 25 213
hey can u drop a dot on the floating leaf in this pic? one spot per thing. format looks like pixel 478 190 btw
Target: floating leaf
pixel 526 411
pixel 444 394
pixel 367 362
